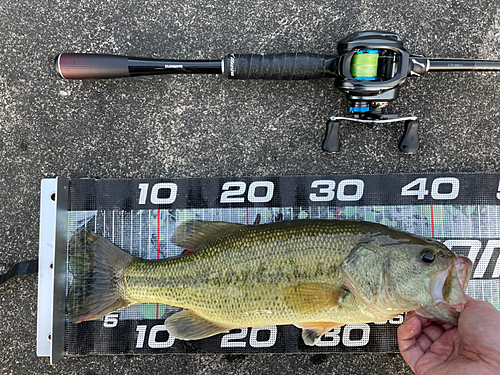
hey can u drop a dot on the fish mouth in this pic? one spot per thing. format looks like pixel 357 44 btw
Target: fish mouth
pixel 449 285
pixel 439 285
pixel 447 289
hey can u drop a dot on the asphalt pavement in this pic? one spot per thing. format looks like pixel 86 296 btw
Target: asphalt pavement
pixel 206 126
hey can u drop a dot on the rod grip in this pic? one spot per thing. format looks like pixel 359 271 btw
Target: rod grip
pixel 91 66
pixel 280 66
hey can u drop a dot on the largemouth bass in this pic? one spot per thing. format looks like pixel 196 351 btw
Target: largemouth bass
pixel 315 274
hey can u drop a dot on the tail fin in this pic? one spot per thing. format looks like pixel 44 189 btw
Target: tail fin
pixel 98 285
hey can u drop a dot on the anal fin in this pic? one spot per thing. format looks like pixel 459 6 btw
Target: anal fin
pixel 187 325
pixel 312 332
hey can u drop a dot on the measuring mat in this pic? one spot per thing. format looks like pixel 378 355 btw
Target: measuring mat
pixel 461 210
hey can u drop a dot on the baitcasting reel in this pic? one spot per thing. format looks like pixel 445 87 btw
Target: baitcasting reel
pixel 369 69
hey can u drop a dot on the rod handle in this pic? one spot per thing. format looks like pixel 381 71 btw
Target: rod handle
pixel 280 66
pixel 91 66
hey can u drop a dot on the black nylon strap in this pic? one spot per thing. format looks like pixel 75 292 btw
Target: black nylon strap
pixel 20 269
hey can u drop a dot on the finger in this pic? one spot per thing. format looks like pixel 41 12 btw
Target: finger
pixel 433 331
pixel 429 334
pixel 424 342
pixel 447 326
pixel 475 303
pixel 408 333
pixel 411 328
pixel 425 321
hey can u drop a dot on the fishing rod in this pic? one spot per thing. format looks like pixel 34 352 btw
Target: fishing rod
pixel 369 67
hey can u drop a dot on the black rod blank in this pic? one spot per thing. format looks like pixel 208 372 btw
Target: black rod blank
pixel 451 65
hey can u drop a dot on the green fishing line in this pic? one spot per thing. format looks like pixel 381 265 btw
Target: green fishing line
pixel 364 65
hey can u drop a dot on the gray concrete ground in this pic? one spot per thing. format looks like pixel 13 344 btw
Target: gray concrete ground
pixel 204 126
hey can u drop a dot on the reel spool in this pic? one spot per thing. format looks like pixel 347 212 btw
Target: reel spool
pixel 364 65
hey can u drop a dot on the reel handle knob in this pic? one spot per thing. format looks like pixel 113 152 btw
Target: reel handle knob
pixel 409 143
pixel 331 142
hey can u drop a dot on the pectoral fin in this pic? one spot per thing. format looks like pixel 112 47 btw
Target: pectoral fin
pixel 313 297
pixel 187 325
pixel 312 332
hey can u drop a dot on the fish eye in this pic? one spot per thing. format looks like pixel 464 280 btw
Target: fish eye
pixel 427 256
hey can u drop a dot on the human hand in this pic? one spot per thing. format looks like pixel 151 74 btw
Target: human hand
pixel 472 347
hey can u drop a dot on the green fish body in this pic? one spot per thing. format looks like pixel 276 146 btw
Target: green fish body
pixel 316 274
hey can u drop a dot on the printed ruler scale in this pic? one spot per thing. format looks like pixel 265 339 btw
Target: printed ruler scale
pixel 461 210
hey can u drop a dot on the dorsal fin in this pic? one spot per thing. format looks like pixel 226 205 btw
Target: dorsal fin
pixel 190 234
